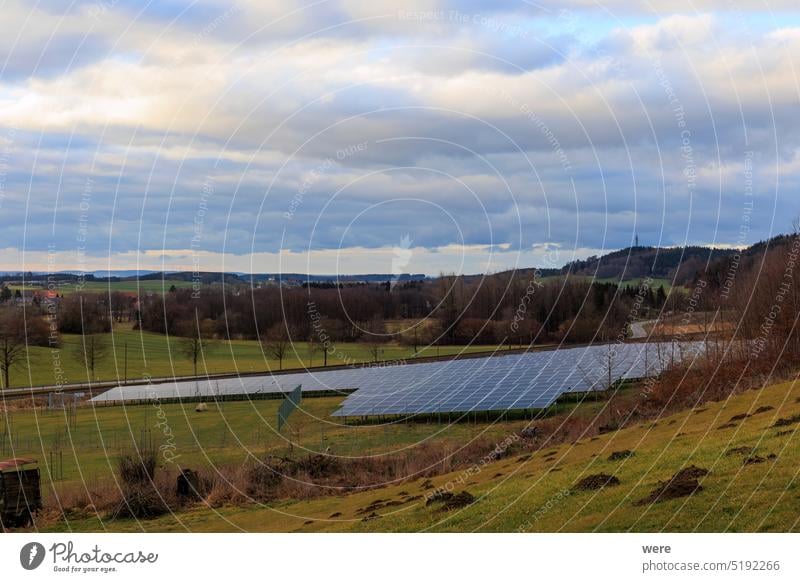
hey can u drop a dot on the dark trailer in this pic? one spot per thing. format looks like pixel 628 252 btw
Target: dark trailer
pixel 20 495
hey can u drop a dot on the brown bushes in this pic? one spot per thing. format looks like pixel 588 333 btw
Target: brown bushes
pixel 144 493
pixel 137 469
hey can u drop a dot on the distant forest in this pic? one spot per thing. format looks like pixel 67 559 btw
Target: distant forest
pixel 516 307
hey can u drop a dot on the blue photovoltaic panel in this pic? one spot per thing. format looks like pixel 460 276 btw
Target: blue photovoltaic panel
pixel 502 382
pixel 526 381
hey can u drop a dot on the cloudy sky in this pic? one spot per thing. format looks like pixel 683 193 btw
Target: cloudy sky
pixel 411 135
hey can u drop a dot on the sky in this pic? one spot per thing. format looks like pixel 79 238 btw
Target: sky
pixel 416 136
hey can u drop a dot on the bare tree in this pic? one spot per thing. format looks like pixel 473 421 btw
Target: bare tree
pixel 90 351
pixel 195 341
pixel 12 342
pixel 374 339
pixel 277 343
pixel 315 347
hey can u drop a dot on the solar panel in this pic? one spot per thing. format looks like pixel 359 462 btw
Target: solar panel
pixel 532 380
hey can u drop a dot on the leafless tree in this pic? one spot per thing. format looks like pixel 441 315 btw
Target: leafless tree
pixel 277 343
pixel 195 341
pixel 12 342
pixel 315 347
pixel 90 351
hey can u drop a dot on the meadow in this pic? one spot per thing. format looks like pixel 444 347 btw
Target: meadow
pixel 132 286
pixel 152 355
pixel 747 444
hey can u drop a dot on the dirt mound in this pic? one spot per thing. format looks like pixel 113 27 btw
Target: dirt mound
pixel 337 514
pixel 739 417
pixel 794 419
pixel 427 484
pixel 449 501
pixel 619 455
pixel 682 484
pixel 754 460
pixel 761 409
pixel 757 459
pixel 691 472
pixel 739 451
pixel 727 425
pixel 595 482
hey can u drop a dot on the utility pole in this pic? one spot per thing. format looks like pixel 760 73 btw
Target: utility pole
pixel 126 362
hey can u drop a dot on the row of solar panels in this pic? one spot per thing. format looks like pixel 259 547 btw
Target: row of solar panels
pixel 503 382
pixel 526 381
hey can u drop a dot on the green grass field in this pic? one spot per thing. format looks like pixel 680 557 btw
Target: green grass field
pixel 155 286
pixel 226 434
pixel 159 356
pixel 536 493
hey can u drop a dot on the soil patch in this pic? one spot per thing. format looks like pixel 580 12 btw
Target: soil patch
pixel 448 501
pixel 595 482
pixel 757 460
pixel 794 419
pixel 619 455
pixel 682 484
pixel 739 451
pixel 754 460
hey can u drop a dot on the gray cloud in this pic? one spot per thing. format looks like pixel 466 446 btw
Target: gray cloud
pixel 525 128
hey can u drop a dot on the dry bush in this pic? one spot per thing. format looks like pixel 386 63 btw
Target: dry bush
pixel 136 469
pixel 23 403
pixel 228 486
pixel 144 491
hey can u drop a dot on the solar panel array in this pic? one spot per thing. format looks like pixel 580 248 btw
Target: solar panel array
pixel 520 381
pixel 532 380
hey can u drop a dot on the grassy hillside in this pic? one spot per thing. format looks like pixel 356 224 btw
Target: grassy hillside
pixel 537 493
pixel 159 356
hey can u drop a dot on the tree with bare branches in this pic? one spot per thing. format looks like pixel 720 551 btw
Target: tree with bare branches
pixel 12 342
pixel 195 340
pixel 277 343
pixel 91 350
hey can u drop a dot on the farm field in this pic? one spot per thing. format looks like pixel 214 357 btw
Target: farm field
pixel 751 483
pixel 141 286
pixel 157 356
